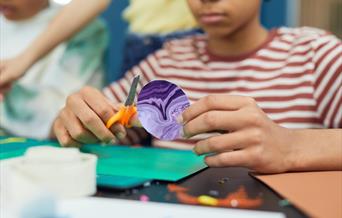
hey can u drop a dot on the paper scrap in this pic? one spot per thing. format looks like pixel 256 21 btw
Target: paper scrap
pixel 159 104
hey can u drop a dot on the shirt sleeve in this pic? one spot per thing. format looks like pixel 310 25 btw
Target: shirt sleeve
pixel 118 91
pixel 328 79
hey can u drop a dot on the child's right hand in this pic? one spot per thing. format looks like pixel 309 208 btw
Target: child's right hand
pixel 83 119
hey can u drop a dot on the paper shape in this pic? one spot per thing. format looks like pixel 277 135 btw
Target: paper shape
pixel 159 104
pixel 145 162
pixel 318 194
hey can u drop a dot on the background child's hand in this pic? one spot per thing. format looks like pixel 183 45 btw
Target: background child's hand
pixel 83 119
pixel 251 140
pixel 12 69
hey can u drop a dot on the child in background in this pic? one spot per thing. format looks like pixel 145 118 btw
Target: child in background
pixel 291 75
pixel 36 95
pixel 158 16
pixel 151 25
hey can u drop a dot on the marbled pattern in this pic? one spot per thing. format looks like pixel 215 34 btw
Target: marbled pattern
pixel 159 104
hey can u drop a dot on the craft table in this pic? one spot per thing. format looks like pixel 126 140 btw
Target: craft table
pixel 220 181
pixel 213 182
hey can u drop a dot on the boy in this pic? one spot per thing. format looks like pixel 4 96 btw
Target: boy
pixel 293 78
pixel 36 95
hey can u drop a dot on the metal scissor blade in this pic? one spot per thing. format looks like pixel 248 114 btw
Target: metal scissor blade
pixel 132 91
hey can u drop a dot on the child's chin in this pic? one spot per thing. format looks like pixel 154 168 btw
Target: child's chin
pixel 218 33
pixel 15 17
pixel 11 16
pixel 221 30
pixel 8 13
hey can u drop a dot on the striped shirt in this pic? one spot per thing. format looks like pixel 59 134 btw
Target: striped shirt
pixel 295 76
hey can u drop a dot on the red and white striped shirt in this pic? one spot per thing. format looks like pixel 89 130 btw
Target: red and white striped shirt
pixel 295 77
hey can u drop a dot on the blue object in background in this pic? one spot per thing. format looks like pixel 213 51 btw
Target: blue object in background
pixel 275 13
pixel 138 47
pixel 117 31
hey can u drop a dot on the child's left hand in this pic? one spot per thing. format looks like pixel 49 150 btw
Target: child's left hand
pixel 250 138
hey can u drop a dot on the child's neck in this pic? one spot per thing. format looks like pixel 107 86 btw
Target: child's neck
pixel 243 41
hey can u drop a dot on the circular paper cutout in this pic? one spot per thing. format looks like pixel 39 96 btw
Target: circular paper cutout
pixel 159 104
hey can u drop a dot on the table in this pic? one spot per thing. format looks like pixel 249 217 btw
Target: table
pixel 207 182
pixel 216 182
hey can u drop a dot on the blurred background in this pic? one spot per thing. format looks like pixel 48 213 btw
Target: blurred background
pixel 324 14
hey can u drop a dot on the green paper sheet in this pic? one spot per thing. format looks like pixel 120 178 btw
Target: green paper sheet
pixel 143 162
pixel 11 147
pixel 119 182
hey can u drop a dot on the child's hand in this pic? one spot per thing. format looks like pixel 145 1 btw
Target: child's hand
pixel 12 69
pixel 83 119
pixel 251 140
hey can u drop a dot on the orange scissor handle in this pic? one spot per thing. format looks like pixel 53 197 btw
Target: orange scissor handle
pixel 123 116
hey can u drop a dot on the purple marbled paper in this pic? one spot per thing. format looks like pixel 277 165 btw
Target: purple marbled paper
pixel 159 104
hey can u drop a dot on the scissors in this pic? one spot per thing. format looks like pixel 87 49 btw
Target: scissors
pixel 127 111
